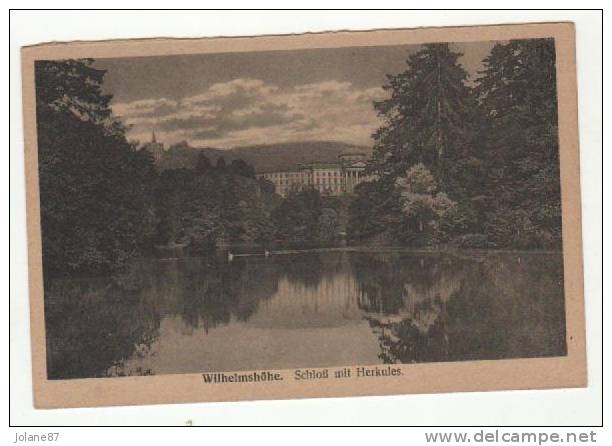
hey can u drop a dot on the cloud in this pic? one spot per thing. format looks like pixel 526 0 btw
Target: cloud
pixel 145 107
pixel 250 111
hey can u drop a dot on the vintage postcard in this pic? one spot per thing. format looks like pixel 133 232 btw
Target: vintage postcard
pixel 334 214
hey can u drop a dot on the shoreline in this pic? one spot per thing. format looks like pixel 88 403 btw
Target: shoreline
pixel 258 250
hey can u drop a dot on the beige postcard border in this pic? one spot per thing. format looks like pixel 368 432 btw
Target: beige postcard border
pixel 539 373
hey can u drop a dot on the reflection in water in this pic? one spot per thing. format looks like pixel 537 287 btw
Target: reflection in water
pixel 443 308
pixel 93 326
pixel 187 315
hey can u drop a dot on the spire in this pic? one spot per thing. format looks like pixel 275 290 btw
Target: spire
pixel 153 136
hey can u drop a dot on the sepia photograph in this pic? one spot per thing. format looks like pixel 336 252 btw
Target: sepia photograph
pixel 336 211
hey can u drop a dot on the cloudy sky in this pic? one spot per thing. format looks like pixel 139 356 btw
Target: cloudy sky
pixel 238 99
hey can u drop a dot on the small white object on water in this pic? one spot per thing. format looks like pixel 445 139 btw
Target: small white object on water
pixel 230 256
pixel 267 253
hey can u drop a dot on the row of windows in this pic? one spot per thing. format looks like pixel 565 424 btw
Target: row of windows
pixel 317 181
pixel 281 174
pixel 320 187
pixel 327 173
pixel 315 175
pixel 333 173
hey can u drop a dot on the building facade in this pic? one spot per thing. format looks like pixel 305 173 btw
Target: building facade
pixel 328 178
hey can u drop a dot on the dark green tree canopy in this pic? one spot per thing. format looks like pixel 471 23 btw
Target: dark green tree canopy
pixel 492 147
pixel 427 116
pixel 75 87
pixel 96 208
pixel 517 92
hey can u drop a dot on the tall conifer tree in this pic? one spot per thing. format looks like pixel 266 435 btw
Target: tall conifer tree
pixel 427 118
pixel 518 95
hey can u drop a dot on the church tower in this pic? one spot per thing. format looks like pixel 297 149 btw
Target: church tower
pixel 155 148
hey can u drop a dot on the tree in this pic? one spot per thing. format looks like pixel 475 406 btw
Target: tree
pixel 518 96
pixel 427 118
pixel 266 186
pixel 201 206
pixel 221 163
pixel 428 214
pixel 374 213
pixel 171 200
pixel 328 224
pixel 297 217
pixel 74 87
pixel 96 202
pixel 240 167
pixel 203 164
pixel 252 214
pixel 201 225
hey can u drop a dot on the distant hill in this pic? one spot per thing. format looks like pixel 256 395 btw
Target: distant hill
pixel 264 158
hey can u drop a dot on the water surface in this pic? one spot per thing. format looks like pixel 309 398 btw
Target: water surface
pixel 309 309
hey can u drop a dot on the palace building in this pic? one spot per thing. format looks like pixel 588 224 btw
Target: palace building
pixel 328 178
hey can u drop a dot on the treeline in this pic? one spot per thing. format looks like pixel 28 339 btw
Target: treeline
pixel 103 201
pixel 306 216
pixel 207 205
pixel 203 207
pixel 474 165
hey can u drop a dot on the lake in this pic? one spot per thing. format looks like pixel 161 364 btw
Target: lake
pixel 336 307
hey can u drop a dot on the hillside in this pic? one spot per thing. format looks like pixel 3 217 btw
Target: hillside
pixel 263 157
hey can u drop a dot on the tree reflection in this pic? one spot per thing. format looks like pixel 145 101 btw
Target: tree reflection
pixel 433 310
pixel 93 326
pixel 209 291
pixel 390 283
pixel 310 269
pixel 420 307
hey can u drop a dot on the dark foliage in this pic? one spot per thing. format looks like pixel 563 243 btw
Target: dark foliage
pixel 297 216
pixel 375 212
pixel 428 116
pixel 96 204
pixel 487 152
pixel 518 97
pixel 492 149
pixel 204 206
